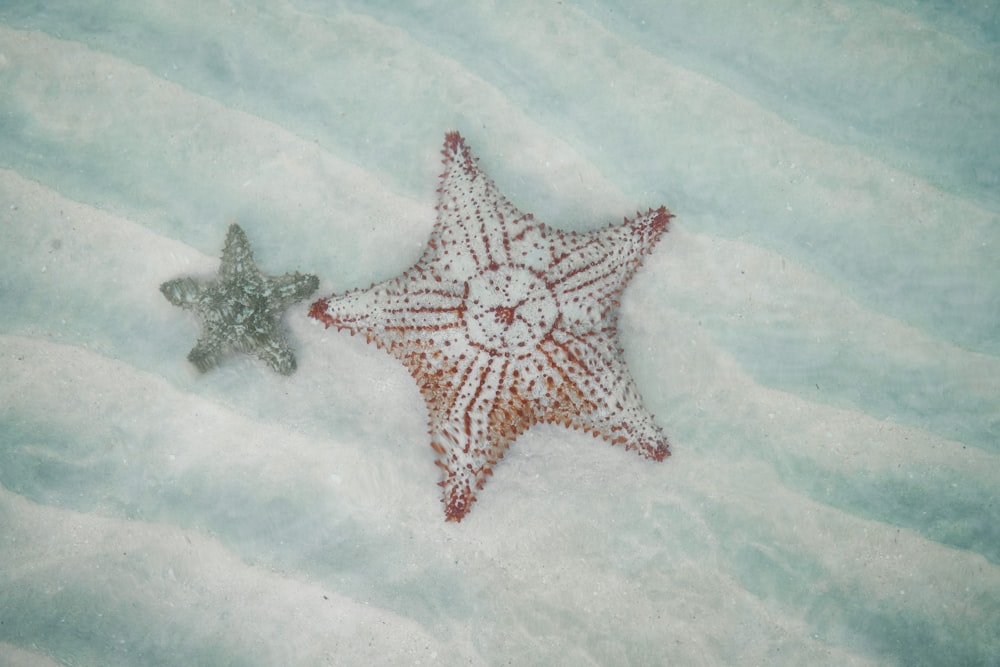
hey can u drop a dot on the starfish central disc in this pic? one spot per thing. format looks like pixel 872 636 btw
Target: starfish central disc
pixel 509 310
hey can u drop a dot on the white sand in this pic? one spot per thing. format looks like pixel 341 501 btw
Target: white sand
pixel 815 335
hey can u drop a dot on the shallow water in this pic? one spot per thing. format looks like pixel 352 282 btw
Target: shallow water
pixel 818 335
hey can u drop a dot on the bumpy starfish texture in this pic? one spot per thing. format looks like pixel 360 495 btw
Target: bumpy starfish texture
pixel 241 310
pixel 505 322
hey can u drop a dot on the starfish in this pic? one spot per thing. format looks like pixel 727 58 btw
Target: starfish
pixel 241 310
pixel 505 322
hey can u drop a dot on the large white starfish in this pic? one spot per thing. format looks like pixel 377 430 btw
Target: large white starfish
pixel 505 322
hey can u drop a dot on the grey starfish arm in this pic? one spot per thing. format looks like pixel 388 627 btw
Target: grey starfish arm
pixel 183 292
pixel 277 353
pixel 237 257
pixel 292 288
pixel 206 354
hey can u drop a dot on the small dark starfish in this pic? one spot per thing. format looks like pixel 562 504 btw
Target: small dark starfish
pixel 241 310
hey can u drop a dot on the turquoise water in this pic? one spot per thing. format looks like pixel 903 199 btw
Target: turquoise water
pixel 818 334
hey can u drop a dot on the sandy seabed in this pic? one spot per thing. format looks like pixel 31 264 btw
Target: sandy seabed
pixel 818 335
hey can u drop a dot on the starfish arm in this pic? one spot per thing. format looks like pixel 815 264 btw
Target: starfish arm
pixel 290 288
pixel 406 309
pixel 183 292
pixel 613 410
pixel 591 270
pixel 274 350
pixel 237 257
pixel 477 226
pixel 471 428
pixel 206 353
